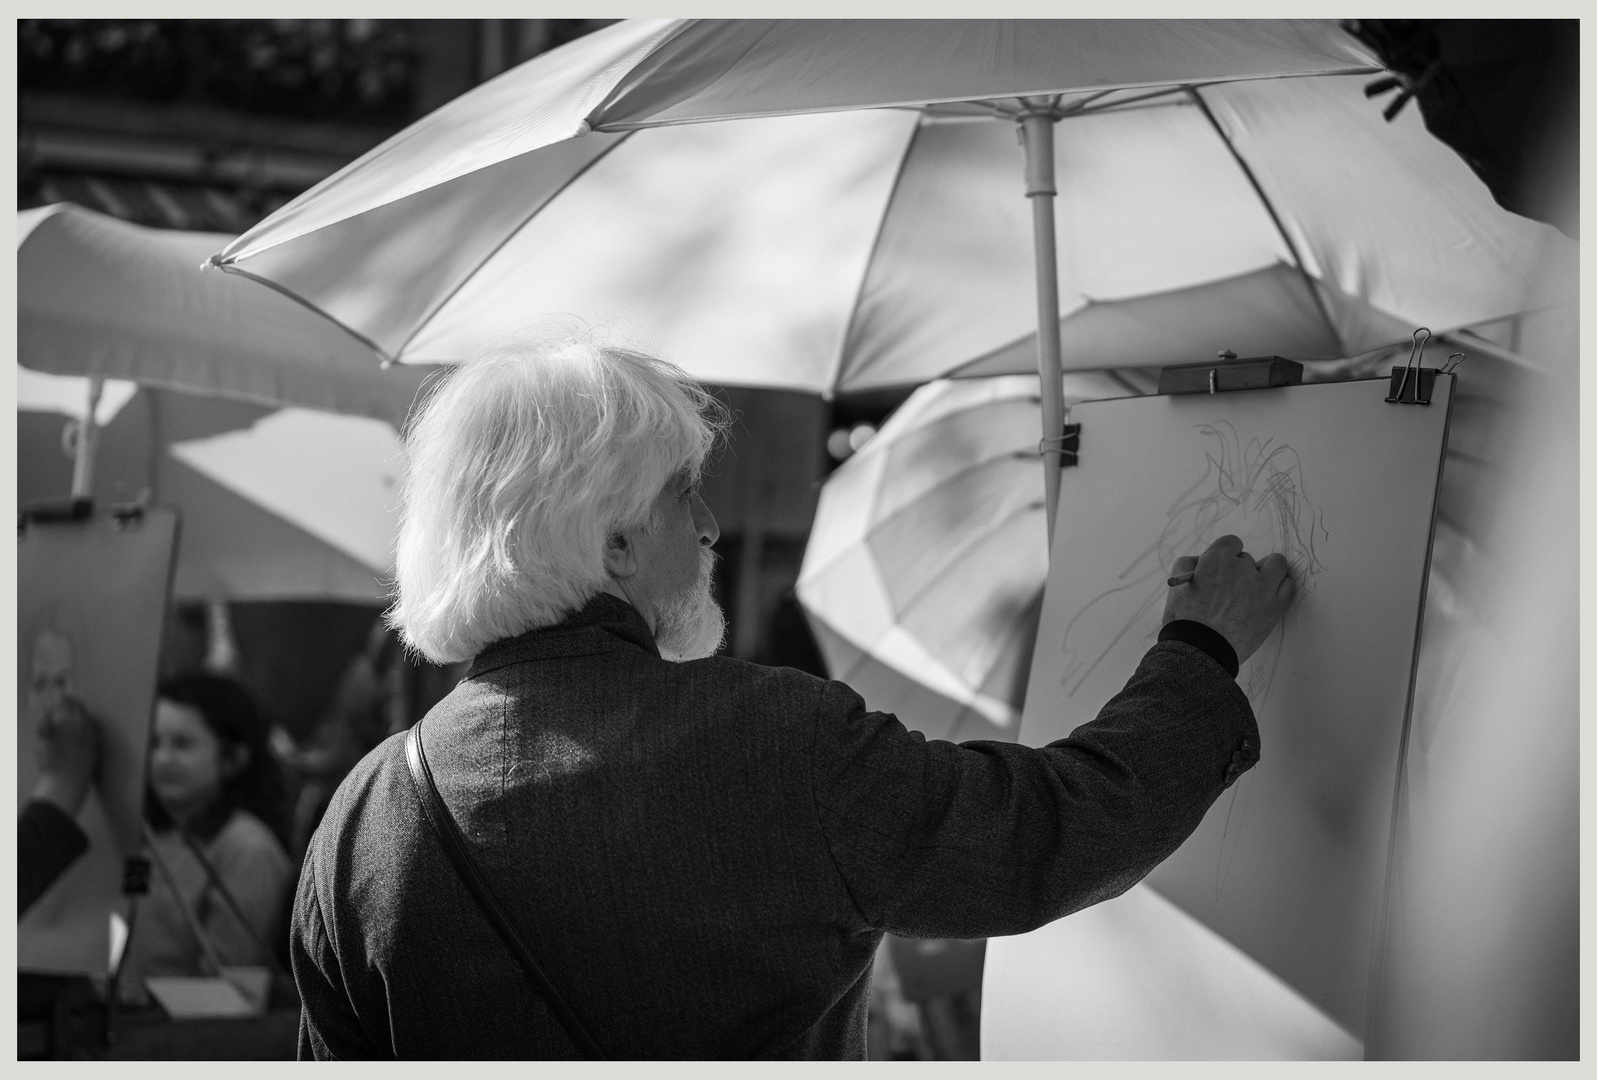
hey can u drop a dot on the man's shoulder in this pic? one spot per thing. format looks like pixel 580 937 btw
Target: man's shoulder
pixel 727 682
pixel 715 683
pixel 370 788
pixel 377 769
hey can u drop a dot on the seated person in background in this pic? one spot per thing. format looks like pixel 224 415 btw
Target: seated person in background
pixel 212 782
pixel 48 837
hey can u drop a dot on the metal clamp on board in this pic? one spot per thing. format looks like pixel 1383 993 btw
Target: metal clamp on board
pixel 1413 383
pixel 129 515
pixel 1229 373
pixel 1068 445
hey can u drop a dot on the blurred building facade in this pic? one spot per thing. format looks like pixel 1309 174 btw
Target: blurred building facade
pixel 213 124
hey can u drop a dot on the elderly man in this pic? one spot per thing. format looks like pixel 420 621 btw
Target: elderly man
pixel 701 853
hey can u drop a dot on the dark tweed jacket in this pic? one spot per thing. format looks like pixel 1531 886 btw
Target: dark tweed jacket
pixel 704 856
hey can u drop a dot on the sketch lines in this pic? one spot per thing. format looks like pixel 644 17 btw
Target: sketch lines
pixel 1254 489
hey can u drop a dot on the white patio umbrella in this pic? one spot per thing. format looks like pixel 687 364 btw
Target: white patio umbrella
pixel 104 298
pixel 526 194
pixel 284 504
pixel 277 503
pixel 332 476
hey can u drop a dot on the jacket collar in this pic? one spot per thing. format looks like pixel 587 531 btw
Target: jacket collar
pixel 604 624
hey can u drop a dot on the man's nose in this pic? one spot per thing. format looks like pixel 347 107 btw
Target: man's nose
pixel 704 522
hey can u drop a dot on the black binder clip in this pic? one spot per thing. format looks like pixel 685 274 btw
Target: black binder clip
pixel 128 515
pixel 1412 383
pixel 1068 445
pixel 79 508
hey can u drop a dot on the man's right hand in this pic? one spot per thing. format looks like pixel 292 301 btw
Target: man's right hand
pixel 68 752
pixel 1231 594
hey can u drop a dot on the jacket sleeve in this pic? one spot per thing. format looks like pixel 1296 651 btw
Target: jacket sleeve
pixel 934 839
pixel 329 1030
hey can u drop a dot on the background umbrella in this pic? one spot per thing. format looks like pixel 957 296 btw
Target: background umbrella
pixel 104 298
pixel 391 245
pixel 332 476
pixel 216 358
pixel 923 575
pixel 240 540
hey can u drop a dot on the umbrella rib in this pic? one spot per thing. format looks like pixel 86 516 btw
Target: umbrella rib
pixel 1280 226
pixel 996 457
pixel 234 268
pixel 870 260
pixel 509 235
pixel 923 103
pixel 876 497
pixel 1089 106
pixel 1035 507
pixel 1114 376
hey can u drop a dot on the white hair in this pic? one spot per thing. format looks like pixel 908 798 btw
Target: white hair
pixel 520 464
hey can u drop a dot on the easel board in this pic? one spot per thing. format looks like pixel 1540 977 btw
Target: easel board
pixel 91 604
pixel 1289 864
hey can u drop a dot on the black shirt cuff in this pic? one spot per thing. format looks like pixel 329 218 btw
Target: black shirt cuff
pixel 1204 638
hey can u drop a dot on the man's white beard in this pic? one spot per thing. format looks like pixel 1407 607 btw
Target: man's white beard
pixel 689 625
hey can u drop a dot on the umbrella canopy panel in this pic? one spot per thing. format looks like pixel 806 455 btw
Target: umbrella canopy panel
pixel 869 248
pixel 737 249
pixel 332 476
pixel 645 72
pixel 230 546
pixel 1345 232
pixel 102 297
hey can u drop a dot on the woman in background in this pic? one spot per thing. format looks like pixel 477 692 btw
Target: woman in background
pixel 213 790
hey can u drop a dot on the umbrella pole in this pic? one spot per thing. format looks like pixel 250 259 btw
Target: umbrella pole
pixel 83 453
pixel 1037 136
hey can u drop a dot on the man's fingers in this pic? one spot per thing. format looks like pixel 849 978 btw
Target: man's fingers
pixel 1227 544
pixel 1275 566
pixel 1184 564
pixel 1286 589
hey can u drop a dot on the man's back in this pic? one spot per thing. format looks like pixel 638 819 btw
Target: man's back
pixel 704 856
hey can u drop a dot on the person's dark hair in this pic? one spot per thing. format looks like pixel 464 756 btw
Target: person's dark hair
pixel 230 713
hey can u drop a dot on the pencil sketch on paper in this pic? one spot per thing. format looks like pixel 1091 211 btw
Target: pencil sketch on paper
pixel 1254 489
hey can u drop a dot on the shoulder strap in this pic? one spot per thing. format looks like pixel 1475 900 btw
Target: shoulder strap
pixel 454 845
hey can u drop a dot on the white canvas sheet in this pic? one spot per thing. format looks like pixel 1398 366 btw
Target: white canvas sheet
pixel 1289 864
pixel 90 601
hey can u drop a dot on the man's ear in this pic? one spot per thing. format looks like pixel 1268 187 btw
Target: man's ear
pixel 620 557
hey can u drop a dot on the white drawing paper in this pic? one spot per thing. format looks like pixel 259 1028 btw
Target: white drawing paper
pixel 1289 863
